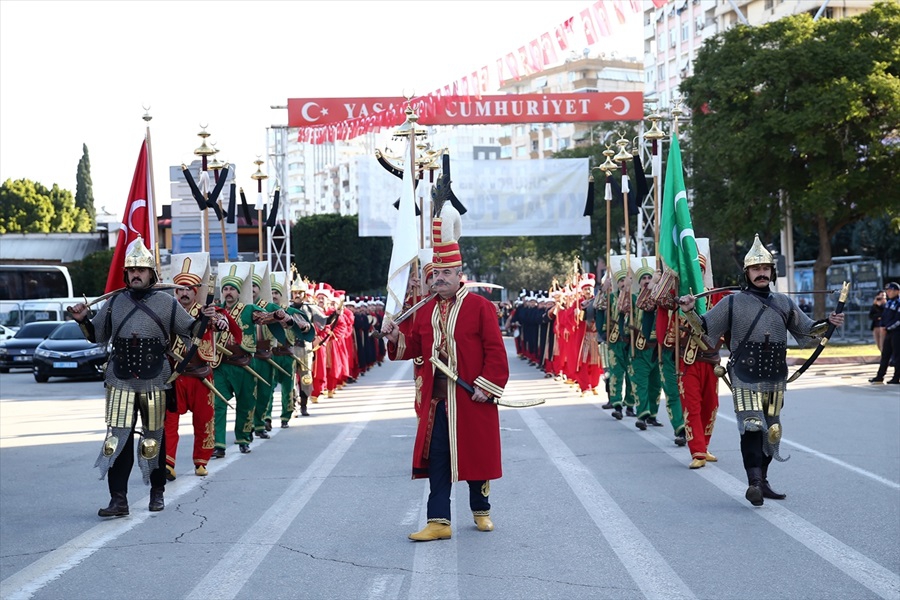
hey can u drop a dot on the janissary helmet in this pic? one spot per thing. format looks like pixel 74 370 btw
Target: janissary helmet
pixel 446 253
pixel 138 256
pixel 191 270
pixel 758 255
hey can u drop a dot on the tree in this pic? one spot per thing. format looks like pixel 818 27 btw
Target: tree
pixel 797 114
pixel 28 207
pixel 328 248
pixel 89 274
pixel 84 191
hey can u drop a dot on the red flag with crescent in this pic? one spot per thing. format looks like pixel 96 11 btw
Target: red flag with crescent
pixel 135 221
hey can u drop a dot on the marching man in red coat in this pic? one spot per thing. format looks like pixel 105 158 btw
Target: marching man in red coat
pixel 458 435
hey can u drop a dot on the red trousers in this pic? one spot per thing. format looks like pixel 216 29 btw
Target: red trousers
pixel 318 373
pixel 589 376
pixel 192 395
pixel 699 402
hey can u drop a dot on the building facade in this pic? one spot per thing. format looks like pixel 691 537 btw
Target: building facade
pixel 674 32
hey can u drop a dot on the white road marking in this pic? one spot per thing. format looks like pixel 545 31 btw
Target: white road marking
pixel 831 459
pixel 631 546
pixel 435 567
pixel 854 564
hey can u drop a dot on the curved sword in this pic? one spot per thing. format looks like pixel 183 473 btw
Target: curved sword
pixel 845 290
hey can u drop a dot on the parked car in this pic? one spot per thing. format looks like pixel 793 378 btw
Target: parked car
pixel 6 333
pixel 18 351
pixel 66 353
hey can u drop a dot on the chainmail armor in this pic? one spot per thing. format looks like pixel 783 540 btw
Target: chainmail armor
pixel 758 399
pixel 127 321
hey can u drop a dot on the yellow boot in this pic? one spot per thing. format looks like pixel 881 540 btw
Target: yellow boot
pixel 711 458
pixel 314 399
pixel 433 531
pixel 483 523
pixel 697 463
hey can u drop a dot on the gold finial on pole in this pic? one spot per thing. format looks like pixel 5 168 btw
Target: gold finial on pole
pixel 258 177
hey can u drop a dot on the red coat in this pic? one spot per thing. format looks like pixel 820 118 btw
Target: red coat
pixel 478 356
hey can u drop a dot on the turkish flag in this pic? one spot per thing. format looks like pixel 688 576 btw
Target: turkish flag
pixel 136 220
pixel 587 24
pixel 548 49
pixel 602 18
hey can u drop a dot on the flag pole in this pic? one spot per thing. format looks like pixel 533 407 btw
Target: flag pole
pixel 608 167
pixel 624 156
pixel 154 228
pixel 215 165
pixel 259 176
pixel 655 134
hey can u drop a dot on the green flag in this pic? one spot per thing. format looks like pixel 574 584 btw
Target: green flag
pixel 677 245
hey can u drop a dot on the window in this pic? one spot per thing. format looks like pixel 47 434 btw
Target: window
pixel 522 151
pixel 506 152
pixel 662 73
pixel 768 4
pixel 481 157
pixel 548 143
pixel 520 130
pixel 534 145
pixel 685 33
pixel 564 143
pixel 672 38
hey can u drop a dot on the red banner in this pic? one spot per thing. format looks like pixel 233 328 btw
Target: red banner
pixel 462 110
pixel 135 223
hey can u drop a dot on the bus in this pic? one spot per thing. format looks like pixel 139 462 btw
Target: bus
pixel 34 282
pixel 33 293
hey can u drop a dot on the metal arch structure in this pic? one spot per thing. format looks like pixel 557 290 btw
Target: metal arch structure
pixel 279 236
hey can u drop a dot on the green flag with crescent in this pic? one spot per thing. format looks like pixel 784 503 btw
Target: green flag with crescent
pixel 677 244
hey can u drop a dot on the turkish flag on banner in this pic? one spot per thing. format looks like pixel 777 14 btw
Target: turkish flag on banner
pixel 513 65
pixel 620 6
pixel 548 50
pixel 602 17
pixel 587 25
pixel 136 220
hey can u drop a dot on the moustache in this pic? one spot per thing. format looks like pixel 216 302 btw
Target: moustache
pixel 761 278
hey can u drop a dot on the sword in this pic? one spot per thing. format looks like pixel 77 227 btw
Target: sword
pixel 469 388
pixel 255 374
pixel 205 381
pixel 407 313
pixel 277 366
pixel 228 352
pixel 158 286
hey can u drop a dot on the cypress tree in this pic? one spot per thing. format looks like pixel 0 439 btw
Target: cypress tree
pixel 84 192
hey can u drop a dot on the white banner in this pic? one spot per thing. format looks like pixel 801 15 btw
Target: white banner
pixel 503 197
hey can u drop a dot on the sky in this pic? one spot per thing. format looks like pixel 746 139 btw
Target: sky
pixel 74 73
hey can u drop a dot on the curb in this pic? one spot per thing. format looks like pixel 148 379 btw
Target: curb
pixel 837 360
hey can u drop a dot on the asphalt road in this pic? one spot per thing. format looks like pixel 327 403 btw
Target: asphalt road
pixel 588 507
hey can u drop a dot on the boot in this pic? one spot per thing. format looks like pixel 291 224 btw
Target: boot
pixel 641 424
pixel 156 499
pixel 767 490
pixel 483 523
pixel 303 401
pixel 268 425
pixel 754 492
pixel 433 531
pixel 118 506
